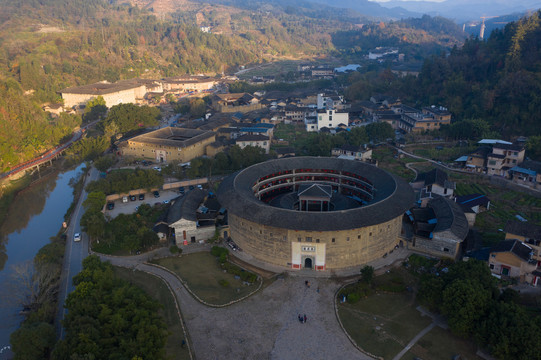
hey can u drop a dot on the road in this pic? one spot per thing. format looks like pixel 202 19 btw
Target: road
pixel 74 254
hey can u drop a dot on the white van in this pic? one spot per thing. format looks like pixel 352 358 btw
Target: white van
pixel 125 199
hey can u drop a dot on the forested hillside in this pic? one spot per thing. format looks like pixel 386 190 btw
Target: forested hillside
pixel 47 45
pixel 416 37
pixel 498 81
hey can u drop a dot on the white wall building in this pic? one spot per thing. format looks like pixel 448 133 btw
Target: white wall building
pixel 331 119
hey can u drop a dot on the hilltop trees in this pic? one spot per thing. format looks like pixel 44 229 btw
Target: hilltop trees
pixel 467 295
pixel 127 117
pixel 110 318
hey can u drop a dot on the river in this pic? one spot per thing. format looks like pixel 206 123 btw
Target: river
pixel 36 214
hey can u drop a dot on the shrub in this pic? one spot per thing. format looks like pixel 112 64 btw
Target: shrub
pixel 174 249
pixel 353 298
pixel 218 251
pixel 223 283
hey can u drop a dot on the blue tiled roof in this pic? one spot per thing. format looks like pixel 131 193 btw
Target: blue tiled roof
pixel 523 171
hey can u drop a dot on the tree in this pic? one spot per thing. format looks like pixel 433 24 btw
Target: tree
pixel 378 132
pixel 465 302
pixel 367 274
pixel 32 284
pixel 103 163
pixel 33 341
pixel 533 146
pixel 128 117
pixel 95 109
pixel 110 318
pixel 198 107
pixel 94 201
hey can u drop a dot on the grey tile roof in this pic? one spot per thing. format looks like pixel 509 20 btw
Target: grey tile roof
pixel 186 209
pixel 392 196
pixel 172 136
pixel 435 176
pixel 514 246
pixel 450 217
pixel 526 229
pixel 472 200
pixel 315 190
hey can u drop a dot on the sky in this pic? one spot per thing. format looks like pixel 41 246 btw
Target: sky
pixel 407 0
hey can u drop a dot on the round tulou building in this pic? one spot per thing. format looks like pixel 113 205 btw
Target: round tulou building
pixel 314 212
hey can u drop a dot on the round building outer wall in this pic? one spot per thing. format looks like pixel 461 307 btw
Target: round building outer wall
pixel 321 241
pixel 327 250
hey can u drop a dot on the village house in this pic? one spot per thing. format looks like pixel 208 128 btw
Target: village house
pixel 526 232
pixel 331 119
pixel 255 141
pixel 323 72
pixel 439 229
pixel 503 157
pixel 472 205
pixel 285 152
pixel 190 221
pixel 431 184
pixel 513 258
pixel 185 84
pixel 352 152
pixel 528 173
pixel 238 102
pixel 294 114
pixel 496 157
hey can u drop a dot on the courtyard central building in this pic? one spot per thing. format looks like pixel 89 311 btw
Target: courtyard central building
pixel 317 213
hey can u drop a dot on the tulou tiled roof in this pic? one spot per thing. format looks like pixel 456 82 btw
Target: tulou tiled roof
pixel 392 196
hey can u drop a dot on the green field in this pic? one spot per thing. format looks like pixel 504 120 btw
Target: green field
pixel 440 344
pixel 206 279
pixel 384 322
pixel 156 288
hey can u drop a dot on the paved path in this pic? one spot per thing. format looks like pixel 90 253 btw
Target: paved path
pixel 414 340
pixel 264 326
pixel 74 254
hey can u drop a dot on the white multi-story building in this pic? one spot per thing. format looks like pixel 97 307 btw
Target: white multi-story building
pixel 331 119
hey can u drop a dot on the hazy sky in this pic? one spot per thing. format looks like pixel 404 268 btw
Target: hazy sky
pixel 407 0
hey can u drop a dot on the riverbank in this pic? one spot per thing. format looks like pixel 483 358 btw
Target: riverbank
pixel 32 238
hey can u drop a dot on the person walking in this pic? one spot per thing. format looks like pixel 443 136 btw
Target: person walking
pixel 304 318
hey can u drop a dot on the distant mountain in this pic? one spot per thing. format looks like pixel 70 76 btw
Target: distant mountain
pixel 464 10
pixel 372 9
pixel 474 27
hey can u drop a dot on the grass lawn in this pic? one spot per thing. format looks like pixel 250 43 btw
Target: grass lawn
pixel 206 279
pixel 383 323
pixel 387 161
pixel 440 344
pixel 160 292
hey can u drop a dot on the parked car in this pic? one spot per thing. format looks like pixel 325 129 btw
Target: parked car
pixel 157 168
pixel 166 201
pixel 181 190
pixel 156 194
pixel 110 206
pixel 125 199
pixel 200 187
pixel 77 237
pixel 191 187
pixel 133 198
pixel 141 196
